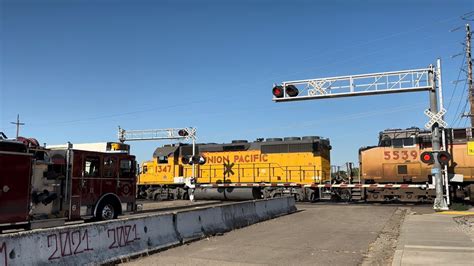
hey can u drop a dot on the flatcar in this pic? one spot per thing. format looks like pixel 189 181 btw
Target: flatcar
pixel 239 170
pixel 396 160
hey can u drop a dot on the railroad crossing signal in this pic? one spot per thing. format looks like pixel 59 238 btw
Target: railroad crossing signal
pixel 290 90
pixel 425 79
pixel 435 118
pixel 157 134
pixel 428 157
pixel 354 85
pixel 191 160
pixel 277 91
pixel 444 157
pixel 183 133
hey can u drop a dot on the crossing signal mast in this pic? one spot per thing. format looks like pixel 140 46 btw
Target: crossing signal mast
pixel 187 133
pixel 424 79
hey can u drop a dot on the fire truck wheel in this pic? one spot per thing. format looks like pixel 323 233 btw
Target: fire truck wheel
pixel 106 211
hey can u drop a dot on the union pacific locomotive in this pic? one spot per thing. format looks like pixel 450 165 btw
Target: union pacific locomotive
pixel 239 170
pixel 396 160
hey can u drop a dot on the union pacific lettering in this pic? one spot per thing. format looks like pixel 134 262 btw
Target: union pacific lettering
pixel 243 158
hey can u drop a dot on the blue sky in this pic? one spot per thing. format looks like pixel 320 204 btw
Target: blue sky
pixel 75 70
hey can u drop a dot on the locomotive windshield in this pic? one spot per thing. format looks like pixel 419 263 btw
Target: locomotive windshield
pixel 410 137
pixel 400 138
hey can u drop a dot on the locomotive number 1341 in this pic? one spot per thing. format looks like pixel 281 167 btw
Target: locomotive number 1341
pixel 400 154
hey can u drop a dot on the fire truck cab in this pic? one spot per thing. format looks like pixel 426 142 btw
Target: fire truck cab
pixel 41 187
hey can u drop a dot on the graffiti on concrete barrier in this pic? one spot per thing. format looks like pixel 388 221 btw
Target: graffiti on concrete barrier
pixel 122 235
pixel 3 250
pixel 68 243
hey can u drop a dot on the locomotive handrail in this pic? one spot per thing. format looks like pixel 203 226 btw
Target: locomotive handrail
pixel 218 171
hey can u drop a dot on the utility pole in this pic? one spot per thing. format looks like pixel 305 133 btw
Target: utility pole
pixel 469 73
pixel 18 124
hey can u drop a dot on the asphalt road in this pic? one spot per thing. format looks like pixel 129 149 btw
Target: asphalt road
pixel 321 234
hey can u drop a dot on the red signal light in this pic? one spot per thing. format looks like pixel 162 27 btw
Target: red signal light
pixel 444 157
pixel 278 91
pixel 186 159
pixel 291 90
pixel 183 132
pixel 427 157
pixel 198 160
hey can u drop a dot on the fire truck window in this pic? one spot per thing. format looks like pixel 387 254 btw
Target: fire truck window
pixel 402 170
pixel 125 168
pixel 163 159
pixel 110 167
pixel 397 143
pixel 91 166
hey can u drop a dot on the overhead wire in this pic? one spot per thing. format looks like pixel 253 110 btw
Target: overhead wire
pixel 457 79
pixel 458 115
pixel 461 115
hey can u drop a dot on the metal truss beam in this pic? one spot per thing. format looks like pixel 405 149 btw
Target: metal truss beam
pixel 359 85
pixel 157 134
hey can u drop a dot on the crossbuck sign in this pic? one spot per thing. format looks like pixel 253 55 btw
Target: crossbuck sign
pixel 435 118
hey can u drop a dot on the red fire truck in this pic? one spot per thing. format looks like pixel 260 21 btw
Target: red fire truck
pixel 41 187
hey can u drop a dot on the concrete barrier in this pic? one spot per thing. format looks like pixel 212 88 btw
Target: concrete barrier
pixel 110 241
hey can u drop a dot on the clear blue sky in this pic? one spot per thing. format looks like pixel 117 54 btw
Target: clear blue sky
pixel 75 70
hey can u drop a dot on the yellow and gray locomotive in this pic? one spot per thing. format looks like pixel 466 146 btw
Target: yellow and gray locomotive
pixel 396 160
pixel 239 170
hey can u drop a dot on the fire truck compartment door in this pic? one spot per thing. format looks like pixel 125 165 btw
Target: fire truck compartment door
pixel 75 208
pixel 15 178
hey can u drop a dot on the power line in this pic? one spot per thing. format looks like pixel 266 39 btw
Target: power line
pixel 456 114
pixel 456 84
pixel 462 114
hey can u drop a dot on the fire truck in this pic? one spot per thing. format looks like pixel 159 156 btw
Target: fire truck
pixel 47 186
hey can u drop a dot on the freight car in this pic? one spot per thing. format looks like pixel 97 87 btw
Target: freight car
pixel 396 160
pixel 42 187
pixel 239 170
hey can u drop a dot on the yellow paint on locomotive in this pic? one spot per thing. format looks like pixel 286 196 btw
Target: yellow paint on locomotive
pixel 154 173
pixel 389 164
pixel 250 166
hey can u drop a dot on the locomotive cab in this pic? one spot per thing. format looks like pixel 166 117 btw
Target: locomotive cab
pixel 396 160
pixel 396 157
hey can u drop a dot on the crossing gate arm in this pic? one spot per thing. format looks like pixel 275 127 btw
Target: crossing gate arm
pixel 398 186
